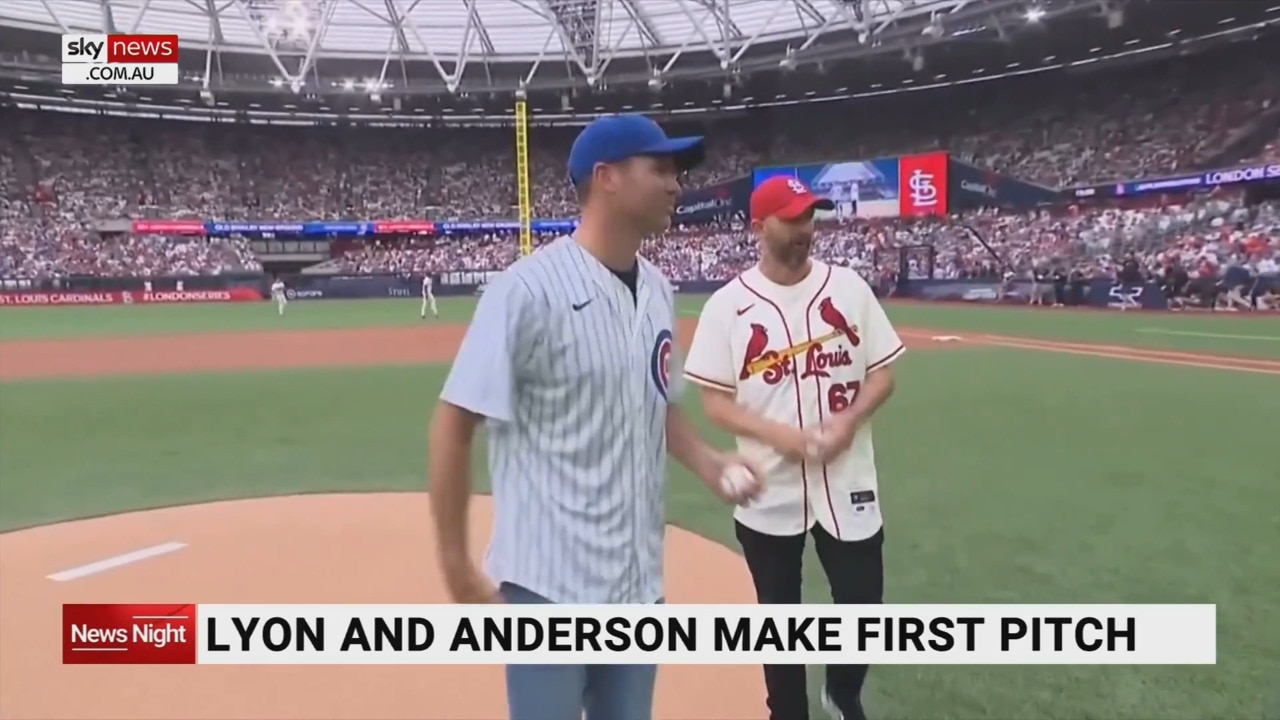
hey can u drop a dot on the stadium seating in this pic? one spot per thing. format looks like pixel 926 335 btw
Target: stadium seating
pixel 1217 228
pixel 61 172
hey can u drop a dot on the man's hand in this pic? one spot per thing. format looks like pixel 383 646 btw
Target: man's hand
pixel 733 478
pixel 467 584
pixel 837 433
pixel 793 443
pixel 835 436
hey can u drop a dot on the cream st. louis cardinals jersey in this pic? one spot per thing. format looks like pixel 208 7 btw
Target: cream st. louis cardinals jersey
pixel 796 354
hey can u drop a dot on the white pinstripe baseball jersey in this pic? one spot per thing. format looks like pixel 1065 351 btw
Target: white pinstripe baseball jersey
pixel 571 372
pixel 796 354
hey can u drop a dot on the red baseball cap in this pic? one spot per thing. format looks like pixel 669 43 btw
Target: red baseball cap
pixel 785 197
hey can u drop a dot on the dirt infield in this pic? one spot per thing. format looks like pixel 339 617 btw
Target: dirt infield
pixel 218 352
pixel 215 352
pixel 361 548
pixel 428 343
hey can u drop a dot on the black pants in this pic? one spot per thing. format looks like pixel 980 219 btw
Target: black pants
pixel 855 571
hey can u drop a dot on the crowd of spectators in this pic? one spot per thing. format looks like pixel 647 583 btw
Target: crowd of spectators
pixel 1218 230
pixel 60 174
pixel 77 252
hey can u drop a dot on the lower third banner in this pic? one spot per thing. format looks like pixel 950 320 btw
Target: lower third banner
pixel 634 634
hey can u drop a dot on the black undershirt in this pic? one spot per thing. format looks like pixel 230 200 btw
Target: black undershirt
pixel 628 278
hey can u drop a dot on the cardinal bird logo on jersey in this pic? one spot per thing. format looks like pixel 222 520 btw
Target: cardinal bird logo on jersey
pixel 833 317
pixel 820 354
pixel 756 347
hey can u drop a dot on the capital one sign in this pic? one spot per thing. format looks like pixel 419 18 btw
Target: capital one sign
pixel 922 184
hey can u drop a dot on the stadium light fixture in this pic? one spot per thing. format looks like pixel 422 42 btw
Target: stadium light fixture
pixel 348 84
pixel 788 62
pixel 656 81
pixel 1035 14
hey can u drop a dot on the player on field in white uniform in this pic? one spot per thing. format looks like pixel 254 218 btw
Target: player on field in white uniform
pixel 428 297
pixel 278 294
pixel 844 195
pixel 793 357
pixel 568 362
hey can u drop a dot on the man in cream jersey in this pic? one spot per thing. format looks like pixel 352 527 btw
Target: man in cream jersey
pixel 793 357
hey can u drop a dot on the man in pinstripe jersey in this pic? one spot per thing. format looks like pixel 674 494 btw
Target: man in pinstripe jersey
pixel 567 361
pixel 794 358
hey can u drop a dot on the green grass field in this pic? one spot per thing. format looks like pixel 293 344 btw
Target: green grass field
pixel 1008 476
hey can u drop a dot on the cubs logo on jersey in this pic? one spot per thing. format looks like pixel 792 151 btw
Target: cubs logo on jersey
pixel 817 356
pixel 660 362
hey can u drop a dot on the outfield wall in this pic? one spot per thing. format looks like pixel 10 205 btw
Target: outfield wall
pixel 246 288
pixel 1096 293
pixel 46 298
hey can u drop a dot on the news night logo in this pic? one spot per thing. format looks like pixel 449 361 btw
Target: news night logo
pixel 129 634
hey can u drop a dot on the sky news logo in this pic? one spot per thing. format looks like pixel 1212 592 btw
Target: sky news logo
pixel 101 49
pixel 119 59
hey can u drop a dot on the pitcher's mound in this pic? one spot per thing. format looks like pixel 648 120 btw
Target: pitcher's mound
pixel 363 548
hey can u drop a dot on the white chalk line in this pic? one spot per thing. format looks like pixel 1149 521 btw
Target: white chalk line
pixel 1103 352
pixel 116 561
pixel 1224 336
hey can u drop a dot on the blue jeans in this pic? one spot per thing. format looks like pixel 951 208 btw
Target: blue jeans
pixel 564 692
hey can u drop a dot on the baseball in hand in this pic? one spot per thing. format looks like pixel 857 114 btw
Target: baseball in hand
pixel 735 480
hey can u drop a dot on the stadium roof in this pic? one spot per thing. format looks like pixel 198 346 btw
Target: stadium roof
pixel 253 59
pixel 454 33
pixel 501 28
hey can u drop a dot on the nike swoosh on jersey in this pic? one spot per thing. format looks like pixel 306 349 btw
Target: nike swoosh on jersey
pixel 744 310
pixel 584 303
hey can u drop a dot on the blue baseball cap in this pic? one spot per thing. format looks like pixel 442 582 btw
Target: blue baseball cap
pixel 614 138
